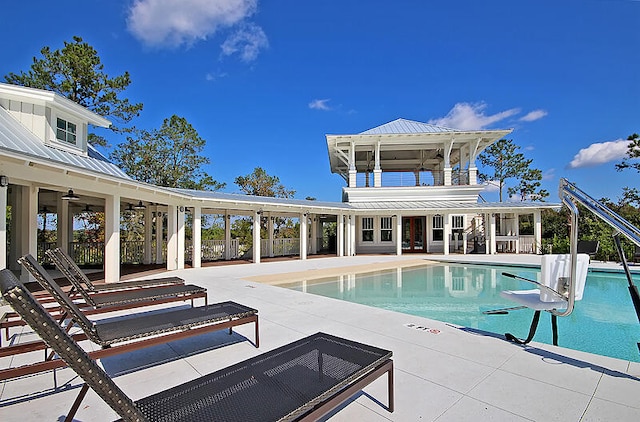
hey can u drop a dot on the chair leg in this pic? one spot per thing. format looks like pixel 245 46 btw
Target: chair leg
pixel 532 331
pixel 554 329
pixel 76 403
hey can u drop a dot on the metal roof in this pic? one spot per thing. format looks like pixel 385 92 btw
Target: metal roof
pixel 404 126
pixel 14 137
pixel 435 206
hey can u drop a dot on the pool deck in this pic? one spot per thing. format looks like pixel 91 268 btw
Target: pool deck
pixel 456 375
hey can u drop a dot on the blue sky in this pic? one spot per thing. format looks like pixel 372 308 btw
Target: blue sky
pixel 264 81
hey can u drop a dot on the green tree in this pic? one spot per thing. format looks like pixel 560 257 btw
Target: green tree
pixel 77 73
pixel 507 163
pixel 259 183
pixel 168 156
pixel 633 153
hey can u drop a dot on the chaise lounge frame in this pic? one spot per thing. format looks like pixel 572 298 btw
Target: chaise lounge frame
pixel 138 331
pixel 303 380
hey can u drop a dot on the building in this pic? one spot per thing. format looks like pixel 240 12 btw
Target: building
pixel 410 187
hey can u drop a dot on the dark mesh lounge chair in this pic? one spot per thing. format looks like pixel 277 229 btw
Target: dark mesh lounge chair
pixel 147 328
pixel 303 380
pixel 71 271
pixel 109 300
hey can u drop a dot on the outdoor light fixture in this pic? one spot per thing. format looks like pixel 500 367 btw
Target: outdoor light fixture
pixel 130 207
pixel 70 196
pixel 140 206
pixel 87 209
pixel 4 181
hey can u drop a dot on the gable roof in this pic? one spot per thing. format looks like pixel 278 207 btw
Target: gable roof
pixel 403 126
pixel 16 139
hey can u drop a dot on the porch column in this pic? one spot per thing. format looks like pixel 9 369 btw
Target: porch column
pixel 270 221
pixel 492 233
pixel 447 162
pixel 352 166
pixel 112 238
pixel 377 170
pixel 196 254
pixel 303 236
pixel 537 230
pixel 28 231
pixel 148 235
pixel 227 235
pixel 172 237
pixel 181 238
pixel 313 232
pixel 473 175
pixel 446 220
pixel 63 231
pixel 3 226
pixel 517 232
pixel 15 199
pixel 340 236
pixel 352 237
pixel 256 237
pixel 398 234
pixel 159 235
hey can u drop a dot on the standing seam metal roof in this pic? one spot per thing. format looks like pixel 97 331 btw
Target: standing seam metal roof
pixel 16 138
pixel 404 126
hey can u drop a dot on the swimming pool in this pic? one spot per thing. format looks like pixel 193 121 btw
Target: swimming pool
pixel 604 322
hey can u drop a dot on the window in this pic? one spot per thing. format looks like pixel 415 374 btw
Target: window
pixel 65 131
pixel 386 224
pixel 367 229
pixel 438 228
pixel 457 222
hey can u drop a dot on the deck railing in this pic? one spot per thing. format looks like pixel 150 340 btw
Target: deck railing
pixel 408 179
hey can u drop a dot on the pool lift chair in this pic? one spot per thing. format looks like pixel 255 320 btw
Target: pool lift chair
pixel 558 293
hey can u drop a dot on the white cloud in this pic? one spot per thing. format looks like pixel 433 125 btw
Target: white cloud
pixel 491 186
pixel 246 41
pixel 533 115
pixel 467 116
pixel 320 104
pixel 599 153
pixel 173 23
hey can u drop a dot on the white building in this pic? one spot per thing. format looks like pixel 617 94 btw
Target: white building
pixel 411 187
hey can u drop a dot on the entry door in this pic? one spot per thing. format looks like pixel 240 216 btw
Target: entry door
pixel 413 234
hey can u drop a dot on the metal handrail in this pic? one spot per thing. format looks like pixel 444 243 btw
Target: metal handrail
pixel 571 192
pixel 570 195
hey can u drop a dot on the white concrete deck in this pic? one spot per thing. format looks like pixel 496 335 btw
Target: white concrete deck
pixel 456 375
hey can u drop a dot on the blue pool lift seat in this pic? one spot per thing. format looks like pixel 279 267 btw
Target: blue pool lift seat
pixel 552 294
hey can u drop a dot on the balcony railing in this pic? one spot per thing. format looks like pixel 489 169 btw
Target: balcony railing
pixel 407 179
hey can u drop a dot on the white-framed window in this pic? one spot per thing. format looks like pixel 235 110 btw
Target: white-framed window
pixel 437 227
pixel 367 229
pixel 386 229
pixel 457 222
pixel 66 131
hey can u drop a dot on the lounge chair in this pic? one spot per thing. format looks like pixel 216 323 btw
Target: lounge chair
pixel 146 328
pixel 108 300
pixel 589 247
pixel 552 293
pixel 303 380
pixel 70 270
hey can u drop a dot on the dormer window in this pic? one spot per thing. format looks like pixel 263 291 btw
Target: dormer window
pixel 66 131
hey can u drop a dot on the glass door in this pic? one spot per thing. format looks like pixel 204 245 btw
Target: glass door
pixel 413 239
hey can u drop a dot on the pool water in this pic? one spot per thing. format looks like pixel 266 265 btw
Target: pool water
pixel 603 322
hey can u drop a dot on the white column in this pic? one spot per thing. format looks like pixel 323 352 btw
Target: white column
pixel 303 236
pixel 340 236
pixel 516 230
pixel 196 260
pixel 377 170
pixel 270 230
pixel 63 223
pixel 29 228
pixel 537 230
pixel 352 166
pixel 172 237
pixel 398 234
pixel 227 235
pixel 446 218
pixel 3 227
pixel 473 175
pixel 181 238
pixel 256 237
pixel 492 232
pixel 15 199
pixel 352 235
pixel 112 238
pixel 159 235
pixel 148 235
